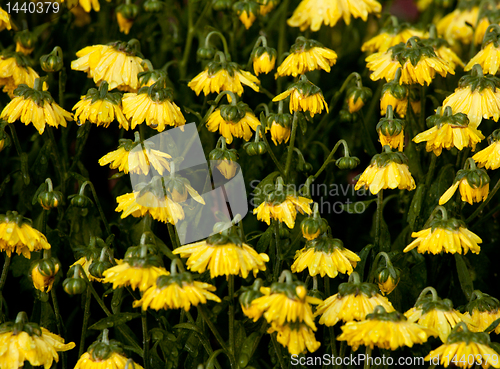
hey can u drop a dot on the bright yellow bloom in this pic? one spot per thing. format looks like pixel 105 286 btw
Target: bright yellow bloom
pixel 387 331
pixel 176 292
pixel 225 76
pixel 396 96
pixel 325 256
pixel 162 209
pixel 15 71
pixel 394 142
pixel 313 13
pixel 387 170
pixel 488 58
pixel 247 18
pixel 474 185
pixel 88 5
pixel 31 343
pixel 483 319
pixel 116 64
pixel 4 20
pixel 17 235
pixel 304 96
pixel 231 124
pixel 124 274
pixel 285 211
pixel 43 282
pixel 480 31
pixel 222 257
pixel 489 157
pixel 125 24
pixel 263 63
pixel 347 305
pixel 227 168
pixel 455 27
pixel 449 56
pixel 445 235
pixel 114 361
pixel 305 56
pixel 279 134
pixel 85 263
pixel 390 38
pixel 295 337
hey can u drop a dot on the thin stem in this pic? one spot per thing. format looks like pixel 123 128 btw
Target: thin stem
pixel 80 146
pixel 86 316
pixel 282 36
pixel 330 156
pixel 222 38
pixel 291 145
pixel 99 207
pixel 277 350
pixel 17 144
pixel 59 323
pixel 62 74
pixel 378 221
pixel 3 279
pixel 145 338
pixel 278 258
pixel 368 355
pixel 231 314
pixel 173 236
pixel 485 202
pixel 430 172
pixel 273 157
pixel 370 146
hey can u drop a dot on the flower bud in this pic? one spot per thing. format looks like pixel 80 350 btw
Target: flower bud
pixel 388 281
pixel 357 97
pixel 43 273
pixel 347 162
pixel 50 199
pixel 125 15
pixel 205 53
pixel 153 6
pixel 222 5
pixel 255 148
pixel 264 59
pixel 25 42
pixel 74 286
pixel 52 62
pixel 247 12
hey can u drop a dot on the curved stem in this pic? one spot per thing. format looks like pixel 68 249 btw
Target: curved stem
pixel 145 338
pixel 86 316
pixel 425 291
pixel 222 38
pixel 98 204
pixel 330 156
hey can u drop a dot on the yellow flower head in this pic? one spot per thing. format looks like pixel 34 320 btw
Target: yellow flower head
pixel 85 262
pixel 263 59
pixel 357 96
pixel 43 273
pixel 287 302
pixel 236 120
pixel 313 13
pixel 417 59
pixel 128 157
pixel 354 301
pixel 463 344
pixel 14 71
pixel 176 291
pixel 250 294
pixel 304 96
pixel 223 76
pixel 247 12
pixel 223 254
pixel 25 42
pixel 474 185
pixel 117 63
pixel 436 314
pixel 482 310
pixel 298 338
pixel 280 126
pixel 388 280
pixel 4 20
pixel 17 235
pixel 449 131
pixel 86 5
pixel 23 341
pixel 489 55
pixel 448 235
pixel 490 156
pixel 477 95
pixel 282 206
pixel 125 17
pixel 325 256
pixel 313 226
pixel 100 107
pixel 305 56
pixel 31 105
pixel 137 271
pixel 390 131
pixel 387 170
pixel 455 27
pixel 395 95
pixel 391 35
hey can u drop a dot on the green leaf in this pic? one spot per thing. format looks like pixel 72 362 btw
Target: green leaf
pixel 492 326
pixel 415 206
pixel 363 255
pixel 464 276
pixel 264 240
pixel 302 124
pixel 114 320
pixel 190 326
pixel 117 175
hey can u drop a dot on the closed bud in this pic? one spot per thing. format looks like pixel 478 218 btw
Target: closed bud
pixel 25 42
pixel 43 273
pixel 222 5
pixel 312 227
pixel 349 162
pixel 247 12
pixel 345 116
pixel 52 62
pixel 81 201
pixel 98 267
pixel 232 113
pixel 206 53
pixel 357 97
pixel 50 199
pixel 255 148
pixel 388 281
pixel 153 6
pixel 74 286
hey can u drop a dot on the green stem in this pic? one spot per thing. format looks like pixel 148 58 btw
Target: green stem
pixel 231 314
pixel 86 316
pixel 484 203
pixel 422 108
pixel 173 236
pixel 330 156
pixel 273 157
pixel 80 146
pixel 291 145
pixel 99 207
pixel 277 350
pixel 3 279
pixel 370 147
pixel 378 220
pixel 430 172
pixel 218 337
pixel 17 144
pixel 145 338
pixel 277 262
pixel 59 323
pixel 368 355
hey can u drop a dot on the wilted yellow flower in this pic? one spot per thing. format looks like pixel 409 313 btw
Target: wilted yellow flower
pixel 135 272
pixel 86 5
pixel 325 256
pixel 222 257
pixel 298 338
pixel 490 156
pixel 313 13
pixel 117 63
pixel 390 36
pixel 488 57
pixel 305 56
pixel 304 96
pixel 14 71
pixel 85 263
pixel 455 27
pixel 23 341
pixel 236 120
pixel 263 59
pixel 482 310
pixel 247 12
pixel 354 301
pixel 474 185
pixel 448 235
pixel 280 127
pixel 449 130
pixel 387 331
pixel 483 25
pixel 390 131
pixel 387 170
pixel 43 273
pixel 448 55
pixel 4 20
pixel 125 24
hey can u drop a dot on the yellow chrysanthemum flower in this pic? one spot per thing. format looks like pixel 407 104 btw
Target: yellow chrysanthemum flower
pixel 482 26
pixel 17 235
pixel 236 120
pixel 87 5
pixel 455 27
pixel 34 106
pixel 305 56
pixel 223 76
pixel 85 263
pixel 114 361
pixel 387 170
pixel 287 302
pixel 390 131
pixel 176 291
pixel 448 55
pixel 325 256
pixel 304 96
pixel 418 61
pixel 298 338
pixel 482 310
pixel 43 273
pixel 488 58
pixel 128 157
pixel 280 127
pixel 387 331
pixel 247 12
pixel 396 95
pixel 135 272
pixel 263 59
pixel 448 131
pixel 354 301
pixel 100 107
pixel 390 36
pixel 474 185
pixel 388 279
pixel 435 314
pixel 313 13
pixel 117 63
pixel 22 341
pixel 125 24
pixel 448 235
pixel 282 208
pixel 4 20
pixel 490 156
pixel 14 71
pixel 465 349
